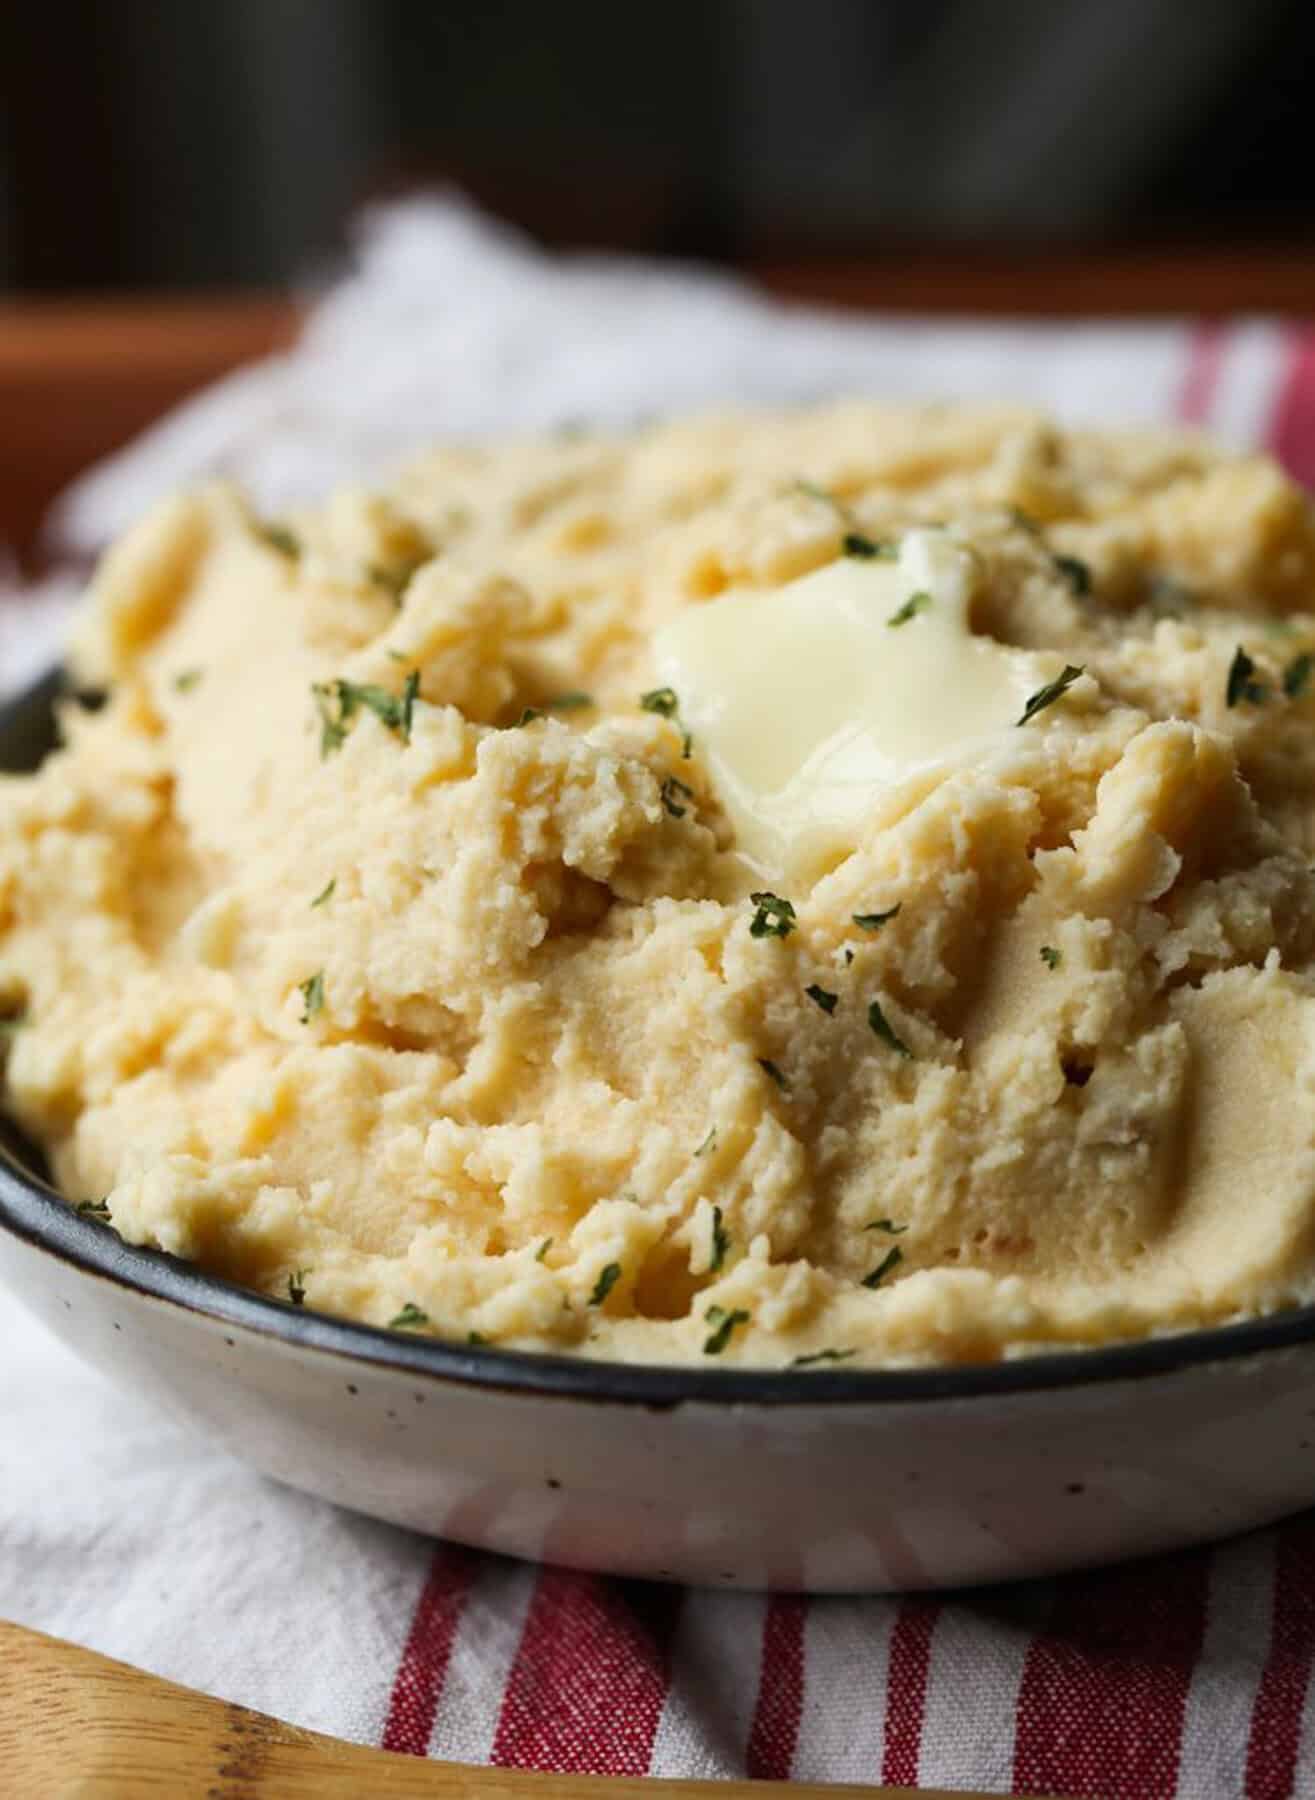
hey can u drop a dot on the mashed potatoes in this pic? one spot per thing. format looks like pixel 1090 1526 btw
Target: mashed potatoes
pixel 362 949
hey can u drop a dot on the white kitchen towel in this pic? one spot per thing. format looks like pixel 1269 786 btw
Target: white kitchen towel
pixel 1185 1676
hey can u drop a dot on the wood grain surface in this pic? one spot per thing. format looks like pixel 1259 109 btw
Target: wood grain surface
pixel 76 1726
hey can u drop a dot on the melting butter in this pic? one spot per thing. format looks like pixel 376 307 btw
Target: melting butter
pixel 816 711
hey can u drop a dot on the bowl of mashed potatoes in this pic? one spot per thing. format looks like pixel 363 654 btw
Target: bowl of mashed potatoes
pixel 575 997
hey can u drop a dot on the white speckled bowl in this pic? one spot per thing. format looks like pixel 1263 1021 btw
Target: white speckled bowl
pixel 828 1479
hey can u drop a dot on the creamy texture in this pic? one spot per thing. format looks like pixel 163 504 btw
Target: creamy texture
pixel 377 947
pixel 813 703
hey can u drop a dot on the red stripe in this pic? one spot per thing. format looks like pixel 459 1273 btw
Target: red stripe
pixel 1104 1689
pixel 1281 1697
pixel 769 1755
pixel 906 1690
pixel 1292 431
pixel 586 1691
pixel 413 1703
pixel 1205 356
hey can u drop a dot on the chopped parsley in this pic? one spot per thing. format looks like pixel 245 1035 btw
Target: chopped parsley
pixel 1075 572
pixel 773 916
pixel 297 1286
pixel 411 1318
pixel 724 1324
pixel 820 997
pixel 1050 956
pixel 891 1260
pixel 770 1069
pixel 874 921
pixel 607 1280
pixel 475 1339
pixel 339 701
pixel 883 1028
pixel 530 714
pixel 857 544
pixel 1297 674
pixel 664 703
pixel 887 1225
pixel 326 892
pixel 721 1241
pixel 1052 691
pixel 93 1209
pixel 822 1356
pixel 574 702
pixel 543 1249
pixel 816 492
pixel 1240 685
pixel 707 1143
pixel 279 538
pixel 671 787
pixel 187 679
pixel 915 604
pixel 312 995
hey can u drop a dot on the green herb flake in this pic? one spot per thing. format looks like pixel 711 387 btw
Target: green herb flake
pixel 326 892
pixel 187 679
pixel 664 703
pixel 312 995
pixel 721 1241
pixel 279 538
pixel 93 1209
pixel 297 1286
pixel 770 1069
pixel 1297 674
pixel 874 921
pixel 883 1028
pixel 857 544
pixel 530 714
pixel 1240 685
pixel 1075 572
pixel 886 1225
pixel 821 997
pixel 411 1318
pixel 1052 691
pixel 543 1249
pixel 814 491
pixel 724 1324
pixel 915 604
pixel 476 1339
pixel 773 916
pixel 891 1260
pixel 339 701
pixel 671 788
pixel 822 1356
pixel 707 1143
pixel 607 1280
pixel 574 702
pixel 1050 956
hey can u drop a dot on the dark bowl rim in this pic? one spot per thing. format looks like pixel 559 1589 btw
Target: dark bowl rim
pixel 32 1212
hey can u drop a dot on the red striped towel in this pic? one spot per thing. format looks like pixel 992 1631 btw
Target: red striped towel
pixel 1186 1676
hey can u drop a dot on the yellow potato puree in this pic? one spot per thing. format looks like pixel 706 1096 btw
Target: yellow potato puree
pixel 385 944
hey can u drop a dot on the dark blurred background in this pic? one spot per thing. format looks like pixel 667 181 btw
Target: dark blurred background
pixel 184 144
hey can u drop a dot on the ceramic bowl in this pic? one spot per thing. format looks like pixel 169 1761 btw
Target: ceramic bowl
pixel 822 1479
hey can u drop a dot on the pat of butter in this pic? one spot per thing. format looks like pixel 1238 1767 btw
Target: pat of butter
pixel 815 711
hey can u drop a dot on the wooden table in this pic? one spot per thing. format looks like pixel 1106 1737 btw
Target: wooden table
pixel 80 377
